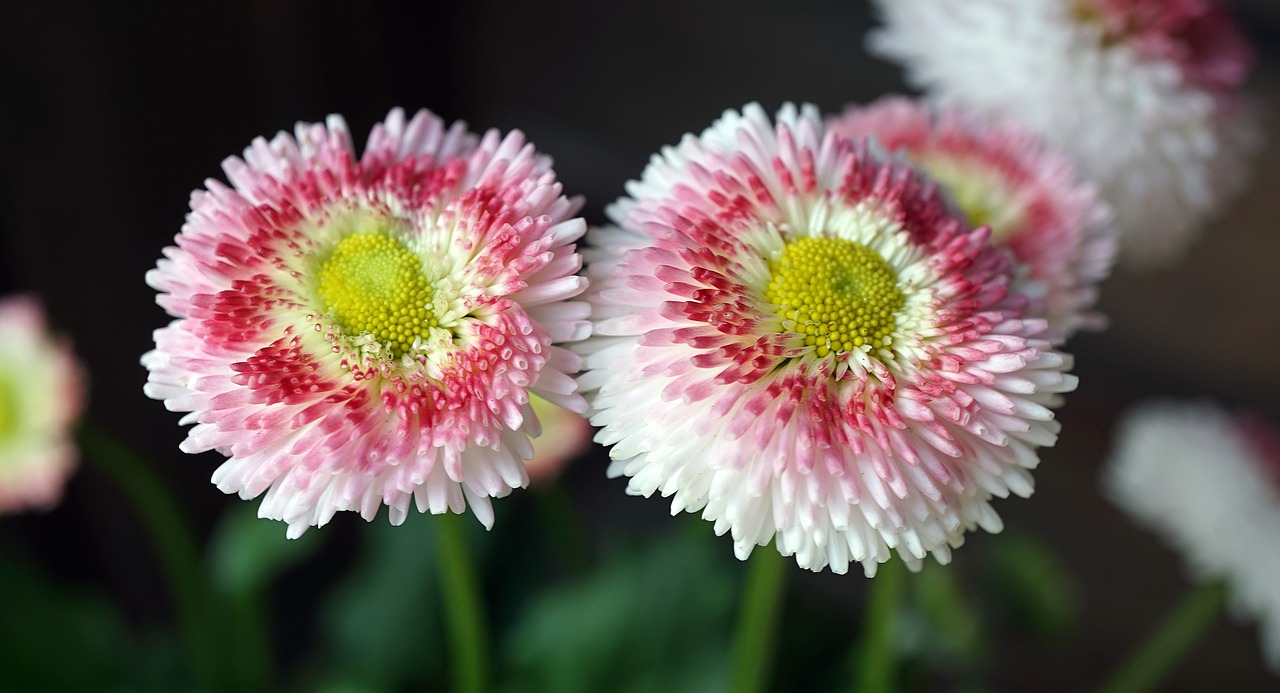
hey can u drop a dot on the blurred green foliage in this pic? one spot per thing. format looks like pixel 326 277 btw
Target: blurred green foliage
pixel 246 554
pixel 381 623
pixel 1029 586
pixel 653 617
pixel 570 611
pixel 59 636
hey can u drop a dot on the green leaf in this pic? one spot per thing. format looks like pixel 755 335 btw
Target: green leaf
pixel 950 624
pixel 1031 586
pixel 57 636
pixel 247 553
pixel 655 619
pixel 381 624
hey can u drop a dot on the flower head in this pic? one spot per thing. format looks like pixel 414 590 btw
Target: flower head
pixel 41 394
pixel 1208 482
pixel 359 332
pixel 1000 175
pixel 800 340
pixel 1141 94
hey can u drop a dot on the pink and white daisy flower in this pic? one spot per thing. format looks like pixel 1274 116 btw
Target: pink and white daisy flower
pixel 359 332
pixel 1000 175
pixel 800 340
pixel 1143 95
pixel 41 395
pixel 1208 482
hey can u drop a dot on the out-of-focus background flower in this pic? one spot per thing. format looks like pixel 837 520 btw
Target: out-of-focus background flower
pixel 111 113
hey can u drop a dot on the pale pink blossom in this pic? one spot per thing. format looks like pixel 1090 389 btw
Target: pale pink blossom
pixel 41 396
pixel 801 341
pixel 1001 175
pixel 364 330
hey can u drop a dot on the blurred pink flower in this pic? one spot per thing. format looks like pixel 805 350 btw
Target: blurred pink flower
pixel 801 341
pixel 41 395
pixel 360 332
pixel 1001 175
pixel 565 435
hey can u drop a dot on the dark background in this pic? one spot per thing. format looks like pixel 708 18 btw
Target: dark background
pixel 111 113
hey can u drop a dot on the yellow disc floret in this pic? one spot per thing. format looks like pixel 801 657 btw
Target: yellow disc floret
pixel 9 408
pixel 372 283
pixel 838 293
pixel 982 194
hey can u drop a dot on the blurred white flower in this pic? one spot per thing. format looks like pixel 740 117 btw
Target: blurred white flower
pixel 1209 484
pixel 1142 94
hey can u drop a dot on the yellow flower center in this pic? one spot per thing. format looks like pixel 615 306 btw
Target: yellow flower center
pixel 977 211
pixel 983 197
pixel 372 283
pixel 1087 12
pixel 838 293
pixel 8 408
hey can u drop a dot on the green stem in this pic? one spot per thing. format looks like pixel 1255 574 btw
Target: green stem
pixel 564 523
pixel 1167 645
pixel 255 658
pixel 877 662
pixel 758 621
pixel 462 605
pixel 172 538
